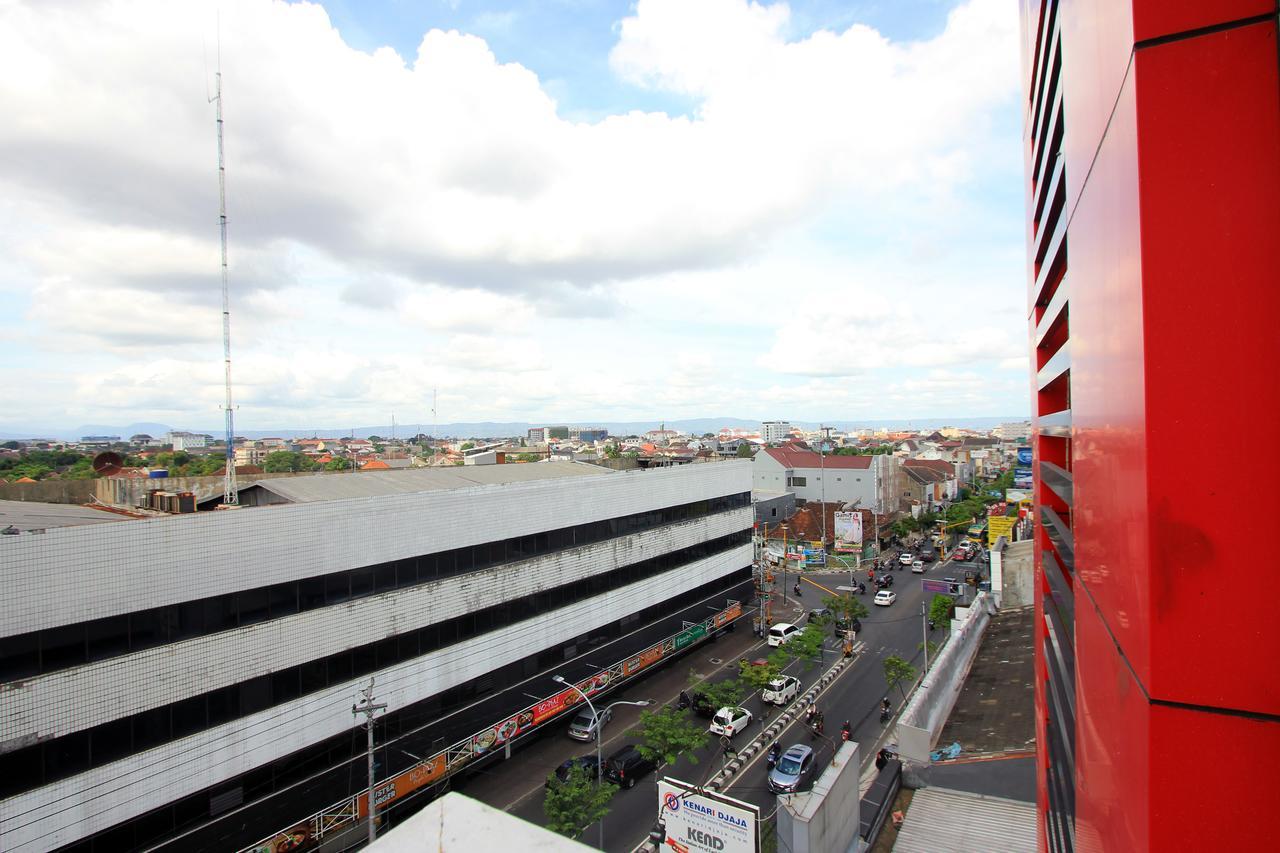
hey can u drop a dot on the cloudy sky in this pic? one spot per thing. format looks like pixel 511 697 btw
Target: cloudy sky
pixel 548 210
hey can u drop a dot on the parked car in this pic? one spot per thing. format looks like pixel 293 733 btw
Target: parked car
pixel 885 597
pixel 627 765
pixel 781 633
pixel 906 558
pixel 782 690
pixel 730 721
pixel 583 726
pixel 792 769
pixel 917 566
pixel 588 764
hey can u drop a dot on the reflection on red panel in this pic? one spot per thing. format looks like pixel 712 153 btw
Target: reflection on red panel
pixel 1112 774
pixel 1097 40
pixel 1209 133
pixel 1107 390
pixel 1156 18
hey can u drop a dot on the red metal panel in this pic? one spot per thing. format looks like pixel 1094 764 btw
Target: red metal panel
pixel 1113 780
pixel 1097 40
pixel 1209 153
pixel 1156 18
pixel 1109 418
pixel 1213 798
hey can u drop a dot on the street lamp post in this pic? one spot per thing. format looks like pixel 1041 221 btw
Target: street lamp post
pixel 559 679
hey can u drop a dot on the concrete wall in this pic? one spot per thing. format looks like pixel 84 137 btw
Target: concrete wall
pixel 828 816
pixel 931 704
pixel 1013 575
pixel 50 491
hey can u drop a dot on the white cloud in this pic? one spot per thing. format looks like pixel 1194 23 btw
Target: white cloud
pixel 445 194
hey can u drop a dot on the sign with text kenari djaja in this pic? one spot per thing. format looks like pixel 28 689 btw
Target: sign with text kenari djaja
pixel 701 821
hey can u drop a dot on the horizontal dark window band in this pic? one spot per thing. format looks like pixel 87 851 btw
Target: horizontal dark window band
pixel 33 766
pixel 317 775
pixel 1264 18
pixel 55 649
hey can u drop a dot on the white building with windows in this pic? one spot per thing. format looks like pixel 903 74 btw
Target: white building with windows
pixel 773 432
pixel 186 683
pixel 186 440
pixel 809 477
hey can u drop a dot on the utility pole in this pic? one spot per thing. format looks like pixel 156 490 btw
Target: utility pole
pixel 369 708
pixel 924 627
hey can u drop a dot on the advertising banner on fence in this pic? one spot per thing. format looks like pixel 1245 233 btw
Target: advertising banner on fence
pixel 707 822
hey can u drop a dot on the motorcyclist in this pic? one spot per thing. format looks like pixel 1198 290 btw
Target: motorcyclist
pixel 796 588
pixel 884 709
pixel 845 730
pixel 774 751
pixel 685 701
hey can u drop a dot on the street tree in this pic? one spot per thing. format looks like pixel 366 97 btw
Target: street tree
pixel 669 733
pixel 940 609
pixel 467 445
pixel 280 461
pixel 845 607
pixel 722 694
pixel 758 676
pixel 806 646
pixel 744 451
pixel 577 802
pixel 898 672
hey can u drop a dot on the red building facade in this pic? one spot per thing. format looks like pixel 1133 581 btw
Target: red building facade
pixel 1152 146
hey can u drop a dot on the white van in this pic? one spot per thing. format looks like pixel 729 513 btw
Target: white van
pixel 782 632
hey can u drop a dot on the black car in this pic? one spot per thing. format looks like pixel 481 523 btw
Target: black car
pixel 817 614
pixel 627 765
pixel 588 764
pixel 884 581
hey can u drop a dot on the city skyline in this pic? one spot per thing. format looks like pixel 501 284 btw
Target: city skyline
pixel 532 211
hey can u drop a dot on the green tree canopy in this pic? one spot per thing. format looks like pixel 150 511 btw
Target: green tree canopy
pixel 744 450
pixel 576 803
pixel 668 734
pixel 467 445
pixel 758 677
pixel 940 609
pixel 726 693
pixel 898 672
pixel 845 607
pixel 281 461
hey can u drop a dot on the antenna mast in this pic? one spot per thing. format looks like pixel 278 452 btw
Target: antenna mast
pixel 230 495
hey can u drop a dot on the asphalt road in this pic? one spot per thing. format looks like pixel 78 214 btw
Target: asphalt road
pixel 855 695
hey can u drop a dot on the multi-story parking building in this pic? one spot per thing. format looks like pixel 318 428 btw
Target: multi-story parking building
pixel 187 682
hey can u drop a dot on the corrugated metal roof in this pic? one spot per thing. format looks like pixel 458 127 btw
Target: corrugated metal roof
pixel 31 515
pixel 369 484
pixel 942 819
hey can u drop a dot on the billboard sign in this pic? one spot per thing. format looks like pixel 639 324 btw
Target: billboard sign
pixel 706 822
pixel 1024 456
pixel 848 528
pixel 1014 496
pixel 1022 478
pixel 936 586
pixel 1002 526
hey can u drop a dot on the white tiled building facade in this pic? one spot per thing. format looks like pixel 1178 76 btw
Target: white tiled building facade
pixel 160 571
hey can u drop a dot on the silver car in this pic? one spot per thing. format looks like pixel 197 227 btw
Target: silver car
pixel 583 726
pixel 795 765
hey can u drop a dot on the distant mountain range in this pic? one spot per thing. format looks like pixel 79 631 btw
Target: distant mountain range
pixel 488 429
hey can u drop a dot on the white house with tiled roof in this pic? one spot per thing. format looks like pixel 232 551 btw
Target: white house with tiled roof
pixel 868 479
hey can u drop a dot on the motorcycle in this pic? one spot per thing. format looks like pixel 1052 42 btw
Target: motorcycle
pixel 884 710
pixel 684 701
pixel 796 590
pixel 774 752
pixel 845 731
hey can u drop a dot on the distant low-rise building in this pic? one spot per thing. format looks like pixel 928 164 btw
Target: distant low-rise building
pixel 775 431
pixel 864 479
pixel 179 440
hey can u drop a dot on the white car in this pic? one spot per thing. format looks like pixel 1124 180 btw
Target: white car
pixel 905 558
pixel 730 721
pixel 783 689
pixel 782 632
pixel 885 597
pixel 917 566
